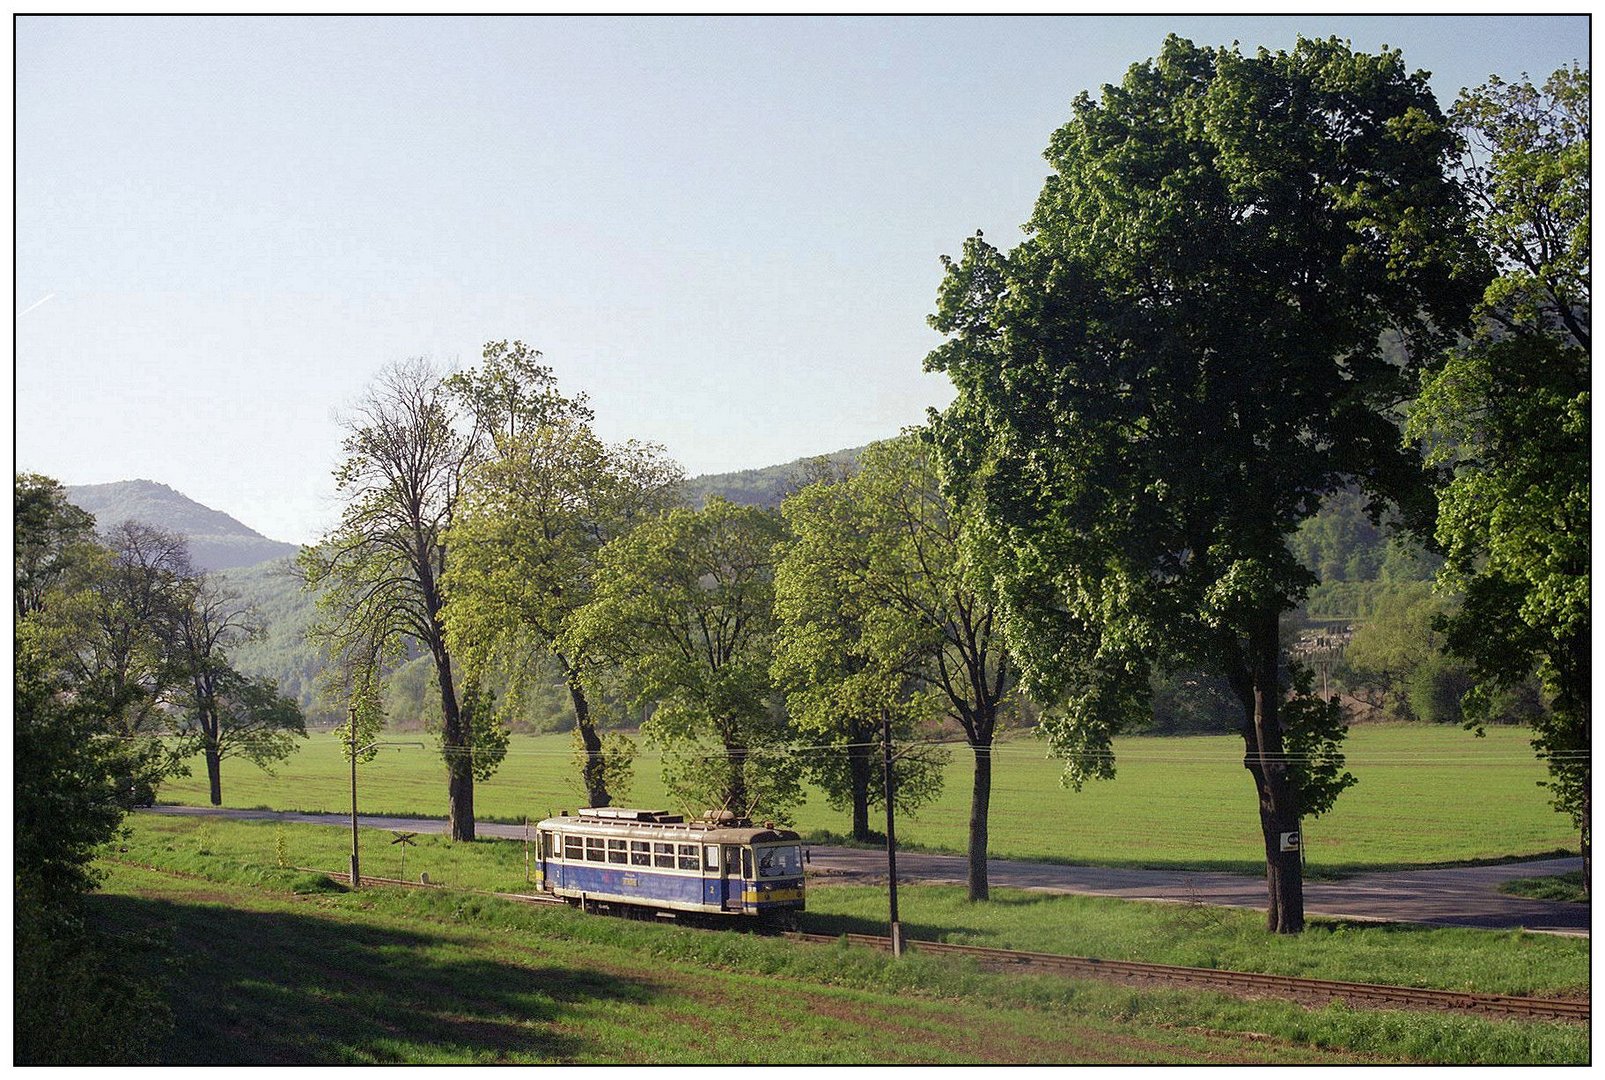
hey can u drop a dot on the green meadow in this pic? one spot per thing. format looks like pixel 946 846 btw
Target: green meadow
pixel 262 963
pixel 1426 795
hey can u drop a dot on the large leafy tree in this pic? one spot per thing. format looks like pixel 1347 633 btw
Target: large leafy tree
pixel 1196 344
pixel 840 691
pixel 533 517
pixel 379 572
pixel 227 713
pixel 683 608
pixel 1507 416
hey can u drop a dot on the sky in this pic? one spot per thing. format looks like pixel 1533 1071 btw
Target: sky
pixel 727 232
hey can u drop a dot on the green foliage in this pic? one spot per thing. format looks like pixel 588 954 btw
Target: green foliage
pixel 762 487
pixel 1312 737
pixel 74 1002
pixel 617 763
pixel 848 660
pixel 533 516
pixel 683 607
pixel 365 715
pixel 379 573
pixel 1192 702
pixel 487 745
pixel 50 538
pixel 66 779
pixel 1506 416
pixel 1188 353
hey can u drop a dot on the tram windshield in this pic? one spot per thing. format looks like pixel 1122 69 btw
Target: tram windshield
pixel 780 861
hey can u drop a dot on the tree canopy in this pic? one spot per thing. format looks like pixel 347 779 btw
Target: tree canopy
pixel 683 608
pixel 1229 279
pixel 1506 416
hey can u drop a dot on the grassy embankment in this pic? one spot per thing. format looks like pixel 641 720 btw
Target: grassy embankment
pixel 270 965
pixel 1426 796
pixel 1563 887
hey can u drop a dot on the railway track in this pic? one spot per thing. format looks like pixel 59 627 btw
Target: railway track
pixel 1242 983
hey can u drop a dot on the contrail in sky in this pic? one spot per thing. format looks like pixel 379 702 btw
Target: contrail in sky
pixel 36 303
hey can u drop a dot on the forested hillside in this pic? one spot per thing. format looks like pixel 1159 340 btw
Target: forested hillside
pixel 762 487
pixel 1358 562
pixel 216 540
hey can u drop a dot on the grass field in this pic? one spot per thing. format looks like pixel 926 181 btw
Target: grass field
pixel 256 852
pixel 1427 795
pixel 267 965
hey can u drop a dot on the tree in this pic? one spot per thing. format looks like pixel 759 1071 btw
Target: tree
pixel 683 606
pixel 118 655
pixel 50 537
pixel 1506 416
pixel 379 572
pixel 533 516
pixel 1226 283
pixel 227 713
pixel 839 692
pixel 74 1003
pixel 891 545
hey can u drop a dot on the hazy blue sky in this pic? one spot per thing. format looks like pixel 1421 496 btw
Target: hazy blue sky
pixel 726 231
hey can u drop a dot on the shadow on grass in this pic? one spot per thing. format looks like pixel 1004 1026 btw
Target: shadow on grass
pixel 255 987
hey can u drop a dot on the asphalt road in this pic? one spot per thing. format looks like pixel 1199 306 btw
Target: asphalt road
pixel 1462 896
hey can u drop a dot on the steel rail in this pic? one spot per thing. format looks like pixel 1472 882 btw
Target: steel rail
pixel 1243 982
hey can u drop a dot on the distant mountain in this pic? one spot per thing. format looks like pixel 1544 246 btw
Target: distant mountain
pixel 216 541
pixel 761 487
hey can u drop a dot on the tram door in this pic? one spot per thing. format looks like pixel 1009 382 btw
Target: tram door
pixel 729 864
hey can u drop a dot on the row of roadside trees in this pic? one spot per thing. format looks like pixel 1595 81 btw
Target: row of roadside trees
pixel 488 526
pixel 1251 282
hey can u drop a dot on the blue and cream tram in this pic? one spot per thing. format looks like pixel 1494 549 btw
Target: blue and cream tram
pixel 716 865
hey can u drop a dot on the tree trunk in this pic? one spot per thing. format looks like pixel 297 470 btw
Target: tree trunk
pixel 214 773
pixel 1266 761
pixel 1586 846
pixel 860 767
pixel 594 773
pixel 458 748
pixel 980 807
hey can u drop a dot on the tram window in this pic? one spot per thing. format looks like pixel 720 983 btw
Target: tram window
pixel 594 851
pixel 640 853
pixel 663 855
pixel 780 862
pixel 710 857
pixel 618 851
pixel 546 845
pixel 573 847
pixel 746 862
pixel 688 857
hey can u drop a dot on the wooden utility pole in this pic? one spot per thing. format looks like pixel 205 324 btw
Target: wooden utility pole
pixel 891 836
pixel 351 728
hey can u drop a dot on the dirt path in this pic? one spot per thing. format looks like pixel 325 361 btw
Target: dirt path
pixel 1462 896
